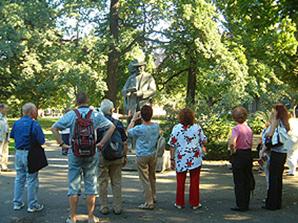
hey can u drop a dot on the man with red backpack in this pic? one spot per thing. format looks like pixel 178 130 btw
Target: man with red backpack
pixel 82 154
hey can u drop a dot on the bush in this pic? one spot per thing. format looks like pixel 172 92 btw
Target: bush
pixel 217 151
pixel 257 121
pixel 216 128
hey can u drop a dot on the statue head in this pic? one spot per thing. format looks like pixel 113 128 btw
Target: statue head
pixel 135 66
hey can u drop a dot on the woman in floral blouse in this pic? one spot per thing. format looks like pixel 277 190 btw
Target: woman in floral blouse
pixel 186 141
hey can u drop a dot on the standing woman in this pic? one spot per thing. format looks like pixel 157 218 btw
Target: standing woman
pixel 186 143
pixel 241 144
pixel 277 131
pixel 146 136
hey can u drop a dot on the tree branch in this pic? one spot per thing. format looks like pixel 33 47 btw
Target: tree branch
pixel 171 77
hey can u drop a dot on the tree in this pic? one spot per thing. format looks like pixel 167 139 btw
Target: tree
pixel 267 34
pixel 196 49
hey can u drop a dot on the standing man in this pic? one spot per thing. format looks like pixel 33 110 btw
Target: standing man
pixel 21 131
pixel 110 170
pixel 79 159
pixel 4 138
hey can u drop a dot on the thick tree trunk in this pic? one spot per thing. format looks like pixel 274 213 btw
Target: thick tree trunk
pixel 114 54
pixel 191 86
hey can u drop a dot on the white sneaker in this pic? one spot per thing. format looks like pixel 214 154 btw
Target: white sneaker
pixel 18 207
pixel 36 208
pixel 178 206
pixel 197 207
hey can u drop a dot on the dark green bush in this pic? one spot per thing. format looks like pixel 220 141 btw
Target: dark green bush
pixel 257 121
pixel 217 151
pixel 216 128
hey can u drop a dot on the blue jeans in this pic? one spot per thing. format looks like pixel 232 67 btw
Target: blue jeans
pixel 82 169
pixel 22 176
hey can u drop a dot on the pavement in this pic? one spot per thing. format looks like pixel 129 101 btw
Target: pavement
pixel 217 197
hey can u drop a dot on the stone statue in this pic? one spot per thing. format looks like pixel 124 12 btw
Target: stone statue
pixel 139 88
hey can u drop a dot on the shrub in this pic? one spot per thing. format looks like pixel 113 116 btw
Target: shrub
pixel 257 121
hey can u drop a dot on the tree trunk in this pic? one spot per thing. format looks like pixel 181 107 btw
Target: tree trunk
pixel 191 85
pixel 114 54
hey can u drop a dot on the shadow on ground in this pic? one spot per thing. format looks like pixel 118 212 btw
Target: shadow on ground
pixel 217 197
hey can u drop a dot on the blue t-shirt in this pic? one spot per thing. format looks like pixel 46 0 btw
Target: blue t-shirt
pixel 146 138
pixel 68 120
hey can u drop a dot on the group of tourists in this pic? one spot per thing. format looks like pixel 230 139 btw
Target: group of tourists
pixel 96 146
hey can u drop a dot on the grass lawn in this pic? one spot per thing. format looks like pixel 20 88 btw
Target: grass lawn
pixel 45 123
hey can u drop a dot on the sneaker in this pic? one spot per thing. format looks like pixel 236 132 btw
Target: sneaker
pixel 104 210
pixel 18 207
pixel 117 212
pixel 68 220
pixel 178 206
pixel 36 208
pixel 197 207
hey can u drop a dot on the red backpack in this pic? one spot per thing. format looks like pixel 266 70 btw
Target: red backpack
pixel 84 137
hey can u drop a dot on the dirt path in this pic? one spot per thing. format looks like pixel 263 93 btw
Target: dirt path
pixel 217 197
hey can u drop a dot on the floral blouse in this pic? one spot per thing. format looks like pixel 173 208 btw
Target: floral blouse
pixel 187 142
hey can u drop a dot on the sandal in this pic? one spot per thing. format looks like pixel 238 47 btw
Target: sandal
pixel 146 206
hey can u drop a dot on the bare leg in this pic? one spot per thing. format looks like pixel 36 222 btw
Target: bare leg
pixel 91 206
pixel 73 203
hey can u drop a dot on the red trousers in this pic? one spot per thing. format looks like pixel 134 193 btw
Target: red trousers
pixel 194 189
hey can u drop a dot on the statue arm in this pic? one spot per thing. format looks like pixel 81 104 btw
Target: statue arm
pixel 150 91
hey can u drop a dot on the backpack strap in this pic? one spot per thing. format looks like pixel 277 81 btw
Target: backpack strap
pixel 88 116
pixel 78 114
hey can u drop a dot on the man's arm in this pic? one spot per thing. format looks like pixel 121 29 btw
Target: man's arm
pixel 2 129
pixel 58 138
pixel 39 136
pixel 106 136
pixel 63 123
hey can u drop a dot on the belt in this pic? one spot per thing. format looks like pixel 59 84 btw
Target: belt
pixel 24 149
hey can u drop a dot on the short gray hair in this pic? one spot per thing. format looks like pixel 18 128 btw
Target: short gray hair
pixel 106 106
pixel 28 108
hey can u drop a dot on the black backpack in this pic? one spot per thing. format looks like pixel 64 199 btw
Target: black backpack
pixel 114 148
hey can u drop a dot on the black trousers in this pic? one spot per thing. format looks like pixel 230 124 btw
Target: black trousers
pixel 243 177
pixel 276 169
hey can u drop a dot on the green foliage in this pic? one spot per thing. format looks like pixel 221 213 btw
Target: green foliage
pixel 216 128
pixel 257 121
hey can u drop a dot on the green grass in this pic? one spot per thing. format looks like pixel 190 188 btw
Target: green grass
pixel 45 123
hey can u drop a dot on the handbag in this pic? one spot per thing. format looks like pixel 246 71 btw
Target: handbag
pixel 37 159
pixel 268 141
